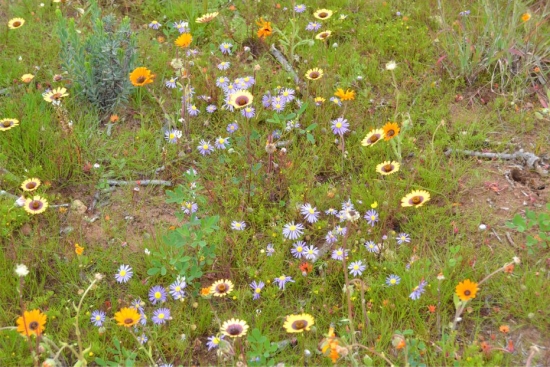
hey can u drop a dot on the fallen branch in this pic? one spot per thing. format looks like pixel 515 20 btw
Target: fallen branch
pixel 286 65
pixel 139 183
pixel 5 193
pixel 529 158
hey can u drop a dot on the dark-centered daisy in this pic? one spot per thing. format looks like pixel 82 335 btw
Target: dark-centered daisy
pixel 298 323
pixel 323 14
pixel 221 288
pixel 6 124
pixel 234 328
pixel 314 74
pixel 240 98
pixel 16 23
pixel 466 290
pixel 323 35
pixel 127 317
pixel 416 198
pixel 391 130
pixel 55 95
pixel 387 168
pixel 141 76
pixel 372 138
pixel 31 184
pixel 36 205
pixel 31 323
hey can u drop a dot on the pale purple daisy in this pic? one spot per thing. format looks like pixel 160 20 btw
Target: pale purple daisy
pixel 249 81
pixel 124 274
pixel 257 289
pixel 171 83
pixel 137 304
pixel 214 341
pixel 221 142
pixel 161 315
pixel 205 147
pixel 142 318
pixel 177 289
pixel 339 254
pixel 193 110
pixel 403 238
pixel 372 247
pixel 282 280
pixel 310 213
pixel 339 126
pixel 336 101
pixel 232 127
pixel 297 249
pixel 287 95
pixel 340 231
pixel 330 237
pixel 238 226
pixel 157 294
pixel 313 26
pixel 142 339
pixel 172 136
pixel 293 231
pixel 278 106
pixel 276 134
pixel 224 65
pixel 270 250
pixel 211 108
pixel 347 205
pixel 356 268
pixel 182 27
pixel 229 89
pixel 371 217
pixel 292 125
pixel 300 8
pixel 393 280
pixel 311 252
pixel 225 48
pixel 331 211
pixel 98 318
pixel 189 207
pixel 222 81
pixel 154 25
pixel 248 112
pixel 267 99
pixel 418 290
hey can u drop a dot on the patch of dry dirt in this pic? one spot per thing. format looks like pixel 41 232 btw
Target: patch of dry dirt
pixel 123 217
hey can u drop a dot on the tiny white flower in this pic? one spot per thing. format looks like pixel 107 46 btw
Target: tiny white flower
pixel 21 270
pixel 516 260
pixel 20 201
pixel 391 65
pixel 482 227
pixel 147 252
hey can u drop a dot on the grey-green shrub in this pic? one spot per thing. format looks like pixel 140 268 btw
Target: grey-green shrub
pixel 100 61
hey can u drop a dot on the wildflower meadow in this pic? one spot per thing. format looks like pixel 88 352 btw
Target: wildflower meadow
pixel 274 183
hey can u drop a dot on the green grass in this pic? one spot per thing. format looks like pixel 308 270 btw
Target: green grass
pixel 235 185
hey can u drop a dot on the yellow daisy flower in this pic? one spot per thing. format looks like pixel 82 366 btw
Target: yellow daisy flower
pixel 241 98
pixel 416 198
pixel 323 14
pixel 141 76
pixel 31 323
pixel 55 95
pixel 372 138
pixel 6 124
pixel 466 290
pixel 314 74
pixel 31 184
pixel 36 205
pixel 127 317
pixel 387 168
pixel 207 17
pixel 298 323
pixel 184 40
pixel 16 23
